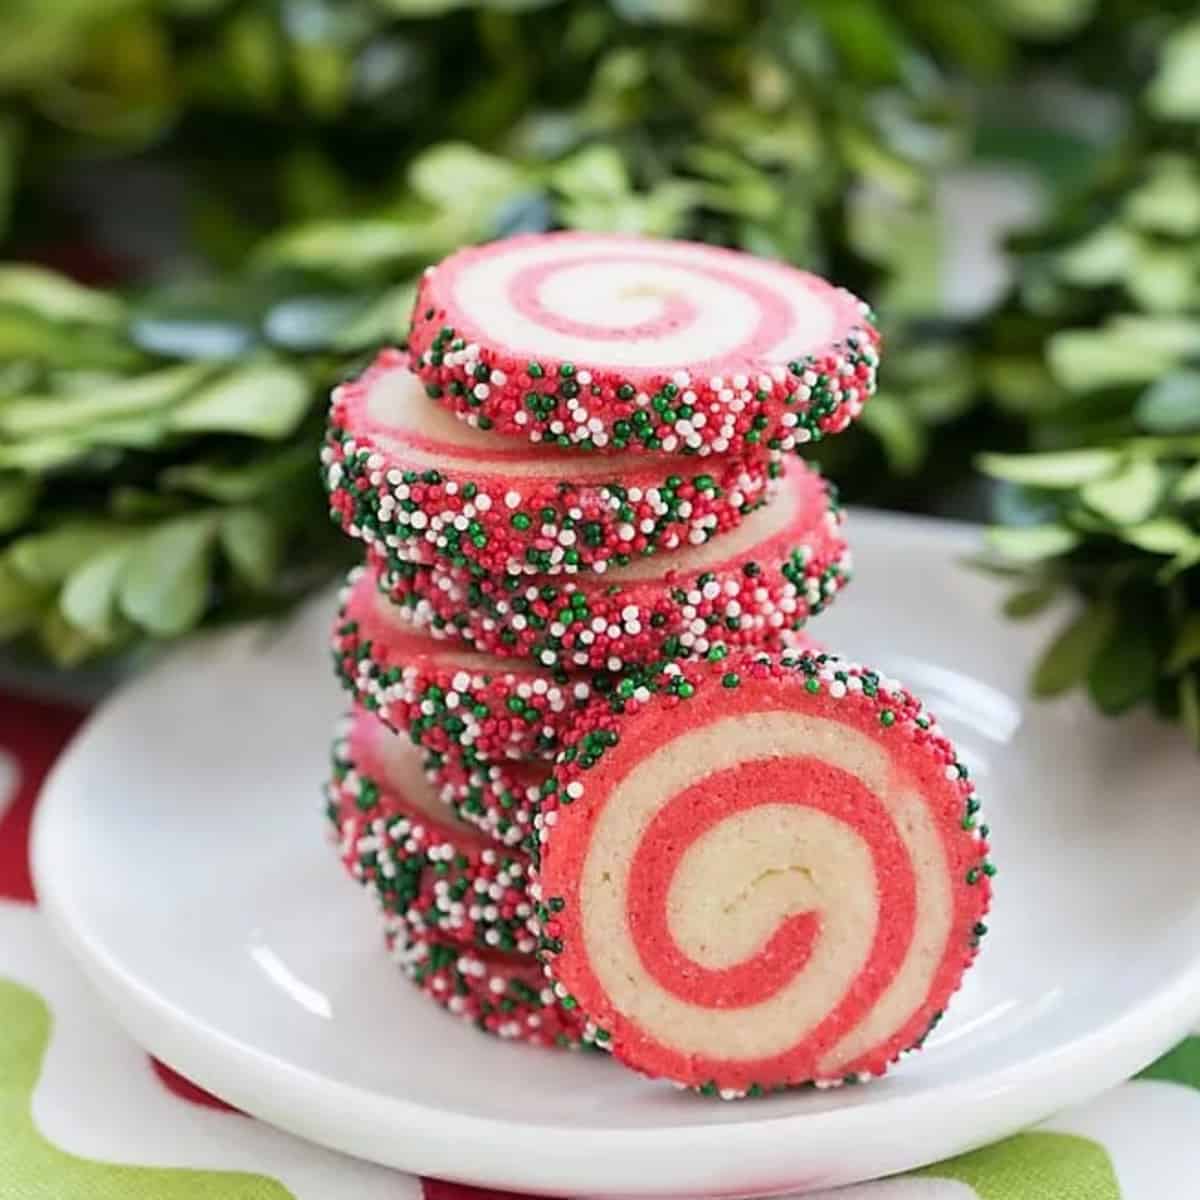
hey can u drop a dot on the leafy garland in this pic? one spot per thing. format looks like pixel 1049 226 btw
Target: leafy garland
pixel 156 444
pixel 1098 355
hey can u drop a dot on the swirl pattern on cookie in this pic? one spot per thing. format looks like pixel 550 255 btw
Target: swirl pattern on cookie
pixel 782 565
pixel 769 873
pixel 417 485
pixel 615 342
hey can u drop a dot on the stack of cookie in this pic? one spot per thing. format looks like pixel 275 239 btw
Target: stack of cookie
pixel 581 512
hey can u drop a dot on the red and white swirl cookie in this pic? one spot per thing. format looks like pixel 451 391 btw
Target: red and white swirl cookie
pixel 782 565
pixel 769 873
pixel 505 995
pixel 449 699
pixel 609 341
pixel 436 873
pixel 408 479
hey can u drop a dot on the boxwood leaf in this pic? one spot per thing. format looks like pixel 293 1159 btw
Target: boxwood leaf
pixel 264 400
pixel 57 298
pixel 1028 602
pixel 1169 201
pixel 48 558
pixel 1161 279
pixel 1031 543
pixel 1187 486
pixel 1103 256
pixel 89 596
pixel 1069 656
pixel 31 417
pixel 1064 469
pixel 164 587
pixel 1123 673
pixel 253 544
pixel 1162 535
pixel 1174 92
pixel 1085 360
pixel 1171 404
pixel 1128 497
pixel 900 433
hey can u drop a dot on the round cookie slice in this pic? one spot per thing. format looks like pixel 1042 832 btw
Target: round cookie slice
pixel 782 565
pixel 408 479
pixel 436 690
pixel 504 995
pixel 771 872
pixel 438 874
pixel 615 342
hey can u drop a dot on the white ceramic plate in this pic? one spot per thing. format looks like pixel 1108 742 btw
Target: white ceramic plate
pixel 180 851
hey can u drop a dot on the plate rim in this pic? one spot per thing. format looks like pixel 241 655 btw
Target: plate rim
pixel 430 1140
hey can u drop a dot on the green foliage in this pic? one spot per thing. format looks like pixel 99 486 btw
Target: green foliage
pixel 157 444
pixel 1108 299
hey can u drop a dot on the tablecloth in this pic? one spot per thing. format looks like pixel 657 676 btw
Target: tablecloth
pixel 86 1115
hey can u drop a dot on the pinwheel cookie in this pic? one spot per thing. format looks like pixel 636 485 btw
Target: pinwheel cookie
pixel 432 870
pixel 770 872
pixel 615 342
pixel 782 565
pixel 502 994
pixel 417 485
pixel 446 697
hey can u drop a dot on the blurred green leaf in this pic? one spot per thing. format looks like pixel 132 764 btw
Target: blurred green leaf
pixel 350 247
pixel 1123 672
pixel 1171 335
pixel 65 644
pixel 1031 543
pixel 1171 404
pixel 899 432
pixel 1070 655
pixel 1085 360
pixel 1042 18
pixel 1028 602
pixel 384 320
pixel 89 596
pixel 164 587
pixel 1169 201
pixel 1105 255
pixel 259 400
pixel 1163 535
pixel 228 484
pixel 1068 469
pixel 1128 497
pixel 1187 486
pixel 1174 92
pixel 46 559
pixel 57 298
pixel 253 544
pixel 43 415
pixel 1161 279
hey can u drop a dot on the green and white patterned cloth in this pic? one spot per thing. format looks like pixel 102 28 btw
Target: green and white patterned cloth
pixel 86 1115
